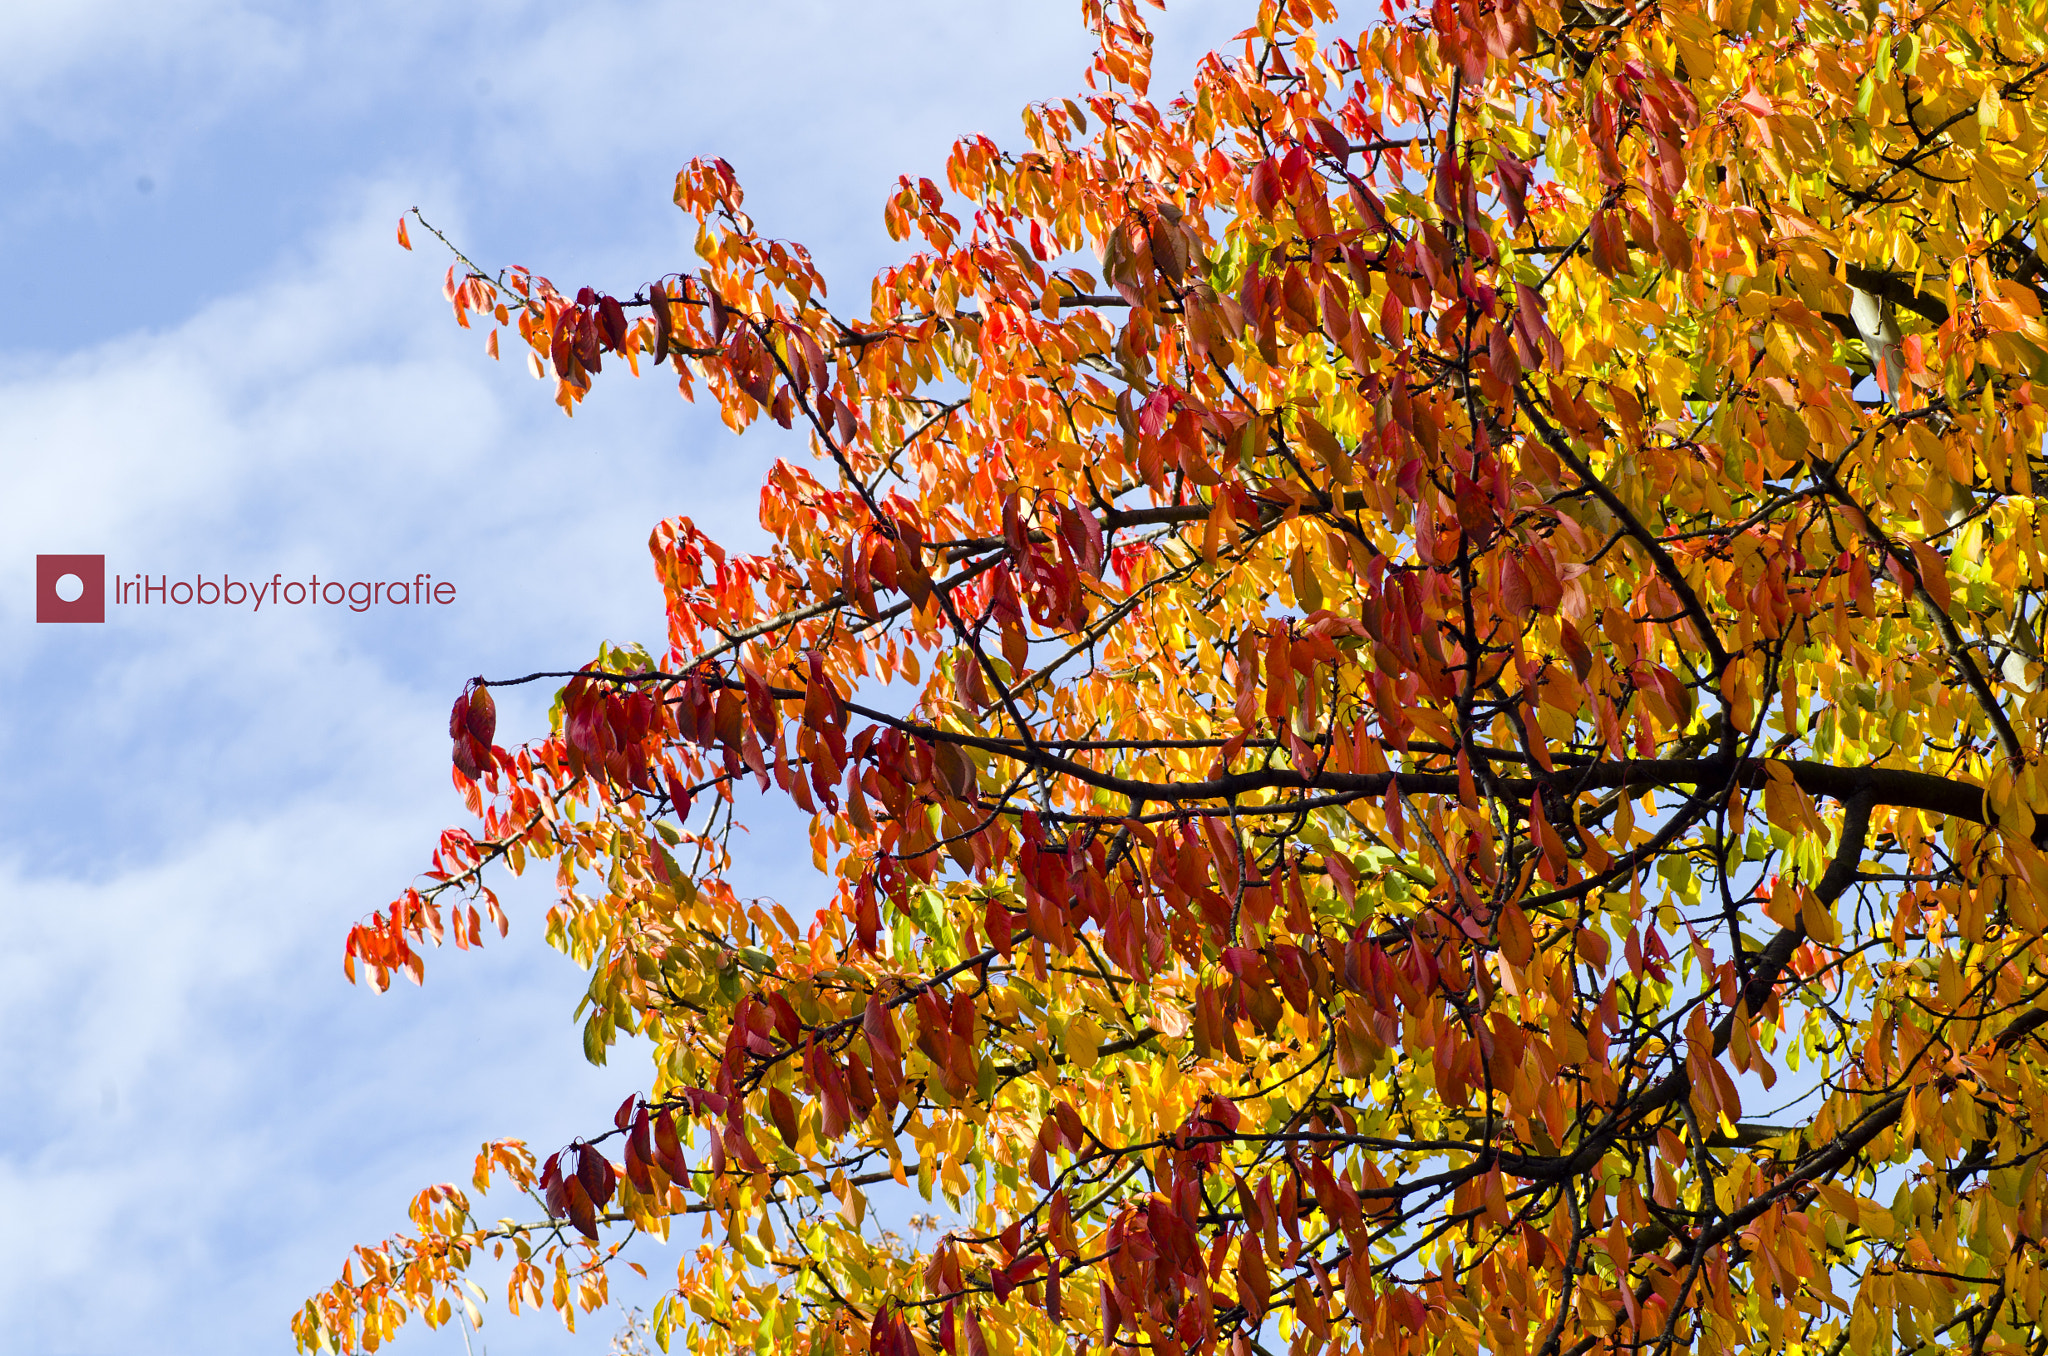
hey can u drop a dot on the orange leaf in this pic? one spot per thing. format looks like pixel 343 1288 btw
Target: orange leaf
pixel 1933 572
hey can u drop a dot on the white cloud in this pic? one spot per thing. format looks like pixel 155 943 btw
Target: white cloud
pixel 203 1115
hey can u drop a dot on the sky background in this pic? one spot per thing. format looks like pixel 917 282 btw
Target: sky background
pixel 217 361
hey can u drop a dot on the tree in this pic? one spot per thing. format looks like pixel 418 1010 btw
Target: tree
pixel 1350 743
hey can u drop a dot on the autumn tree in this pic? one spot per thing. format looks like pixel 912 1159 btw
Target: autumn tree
pixel 1418 682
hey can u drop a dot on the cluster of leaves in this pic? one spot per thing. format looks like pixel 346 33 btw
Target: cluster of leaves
pixel 1470 601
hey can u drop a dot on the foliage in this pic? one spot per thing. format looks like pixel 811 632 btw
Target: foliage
pixel 1355 728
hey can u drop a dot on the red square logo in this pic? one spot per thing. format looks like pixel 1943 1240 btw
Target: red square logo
pixel 59 575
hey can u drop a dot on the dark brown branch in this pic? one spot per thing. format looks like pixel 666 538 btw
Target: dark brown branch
pixel 1643 537
pixel 1897 289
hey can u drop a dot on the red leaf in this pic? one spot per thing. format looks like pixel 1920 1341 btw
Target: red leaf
pixel 678 795
pixel 639 1154
pixel 612 316
pixel 1513 177
pixel 1254 1284
pixel 664 323
pixel 783 1112
pixel 787 1024
pixel 668 1147
pixel 1544 589
pixel 596 1175
pixel 1517 599
pixel 1445 188
pixel 482 716
pixel 996 922
pixel 1334 141
pixel 553 1195
pixel 880 1029
pixel 1342 878
pixel 582 1213
pixel 1265 187
pixel 1070 1124
pixel 721 316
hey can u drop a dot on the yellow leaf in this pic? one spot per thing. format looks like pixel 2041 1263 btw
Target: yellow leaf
pixel 1081 1041
pixel 1818 919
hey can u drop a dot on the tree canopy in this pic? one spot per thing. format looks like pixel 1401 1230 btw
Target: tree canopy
pixel 1418 681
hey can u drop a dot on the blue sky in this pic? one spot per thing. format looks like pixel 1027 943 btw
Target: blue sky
pixel 216 360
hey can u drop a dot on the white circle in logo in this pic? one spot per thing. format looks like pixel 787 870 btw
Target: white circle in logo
pixel 70 587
